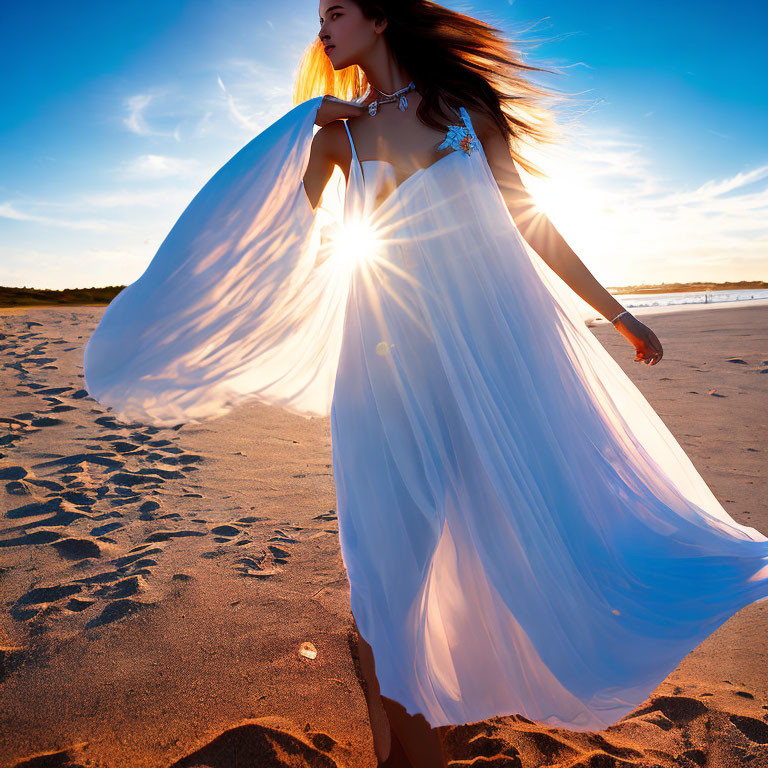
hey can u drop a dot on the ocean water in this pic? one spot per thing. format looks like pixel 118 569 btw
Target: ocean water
pixel 640 304
pixel 633 300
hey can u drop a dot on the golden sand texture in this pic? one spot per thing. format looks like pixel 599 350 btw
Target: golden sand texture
pixel 158 584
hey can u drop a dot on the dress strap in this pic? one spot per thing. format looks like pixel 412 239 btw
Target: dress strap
pixel 467 122
pixel 351 144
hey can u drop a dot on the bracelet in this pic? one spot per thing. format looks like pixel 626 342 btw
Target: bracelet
pixel 625 312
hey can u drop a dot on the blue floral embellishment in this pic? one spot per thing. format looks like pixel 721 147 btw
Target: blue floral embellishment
pixel 461 136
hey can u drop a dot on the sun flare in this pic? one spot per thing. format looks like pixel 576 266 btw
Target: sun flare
pixel 353 243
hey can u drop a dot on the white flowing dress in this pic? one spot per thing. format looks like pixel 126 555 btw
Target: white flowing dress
pixel 520 530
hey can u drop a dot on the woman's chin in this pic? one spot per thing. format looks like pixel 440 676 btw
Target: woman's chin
pixel 338 63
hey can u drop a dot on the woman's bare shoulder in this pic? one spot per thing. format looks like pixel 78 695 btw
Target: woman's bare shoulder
pixel 331 141
pixel 485 126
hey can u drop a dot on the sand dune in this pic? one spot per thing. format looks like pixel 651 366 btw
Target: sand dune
pixel 158 584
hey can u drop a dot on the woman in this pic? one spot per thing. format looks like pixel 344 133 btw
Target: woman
pixel 521 532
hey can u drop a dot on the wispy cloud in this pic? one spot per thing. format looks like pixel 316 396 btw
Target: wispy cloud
pixel 255 94
pixel 714 189
pixel 204 124
pixel 136 121
pixel 235 111
pixel 244 92
pixel 138 198
pixel 160 166
pixel 9 211
pixel 629 225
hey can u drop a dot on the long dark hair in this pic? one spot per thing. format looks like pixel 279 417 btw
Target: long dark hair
pixel 454 60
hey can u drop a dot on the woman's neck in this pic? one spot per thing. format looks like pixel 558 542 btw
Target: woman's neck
pixel 384 73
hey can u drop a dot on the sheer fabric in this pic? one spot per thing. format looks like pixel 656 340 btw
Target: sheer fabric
pixel 520 530
pixel 237 304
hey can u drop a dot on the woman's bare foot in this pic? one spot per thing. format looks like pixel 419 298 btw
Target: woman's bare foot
pixel 380 728
pixel 397 757
pixel 400 740
pixel 422 744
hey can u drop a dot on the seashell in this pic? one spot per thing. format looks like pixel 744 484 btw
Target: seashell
pixel 308 650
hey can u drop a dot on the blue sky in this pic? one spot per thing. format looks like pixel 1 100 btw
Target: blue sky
pixel 115 115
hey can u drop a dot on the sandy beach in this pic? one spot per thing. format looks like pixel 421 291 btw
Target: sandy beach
pixel 158 584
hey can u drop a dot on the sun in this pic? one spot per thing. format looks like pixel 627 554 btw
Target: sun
pixel 353 243
pixel 586 212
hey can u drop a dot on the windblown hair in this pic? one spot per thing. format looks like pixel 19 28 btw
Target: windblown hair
pixel 454 60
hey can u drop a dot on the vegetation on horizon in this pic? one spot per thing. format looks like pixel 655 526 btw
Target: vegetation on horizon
pixel 44 297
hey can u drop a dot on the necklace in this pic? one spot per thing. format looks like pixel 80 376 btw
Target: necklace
pixel 387 97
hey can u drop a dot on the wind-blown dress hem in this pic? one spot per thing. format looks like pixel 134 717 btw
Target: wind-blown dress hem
pixel 520 530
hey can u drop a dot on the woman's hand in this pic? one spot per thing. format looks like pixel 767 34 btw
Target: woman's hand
pixel 646 344
pixel 332 108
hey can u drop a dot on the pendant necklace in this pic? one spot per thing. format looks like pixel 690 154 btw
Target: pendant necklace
pixel 387 97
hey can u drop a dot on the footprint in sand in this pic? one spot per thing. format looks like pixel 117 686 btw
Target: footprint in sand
pixel 251 742
pixel 107 484
pixel 100 458
pixel 256 566
pixel 102 530
pixel 678 709
pixel 118 587
pixel 117 609
pixel 475 743
pixel 225 533
pixel 43 595
pixel 182 459
pixel 9 440
pixel 12 473
pixel 62 512
pixel 330 515
pixel 280 555
pixel 77 548
pixel 41 599
pixel 168 535
pixel 127 449
pixel 18 488
pixel 31 539
pixel 128 587
pixel 755 730
pixel 138 554
pixel 283 537
pixel 251 519
pixel 147 510
pixel 10 657
pixel 261 565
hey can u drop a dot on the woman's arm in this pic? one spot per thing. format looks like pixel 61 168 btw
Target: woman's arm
pixel 330 145
pixel 333 108
pixel 542 236
pixel 322 158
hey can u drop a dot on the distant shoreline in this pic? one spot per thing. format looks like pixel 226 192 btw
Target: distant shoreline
pixel 687 287
pixel 101 297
